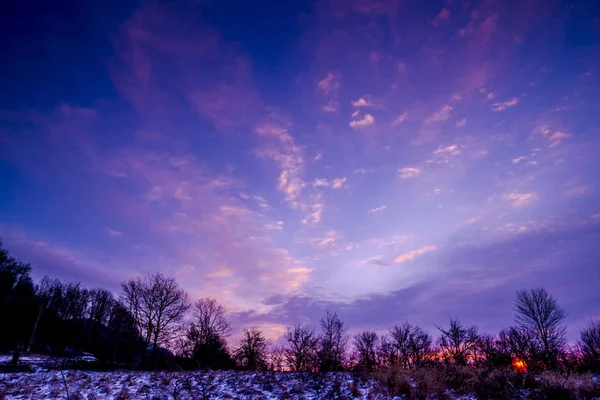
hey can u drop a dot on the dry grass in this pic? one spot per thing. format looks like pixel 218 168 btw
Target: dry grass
pixel 446 382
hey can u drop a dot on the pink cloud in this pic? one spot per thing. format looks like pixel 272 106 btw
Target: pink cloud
pixel 330 84
pixel 442 15
pixel 411 255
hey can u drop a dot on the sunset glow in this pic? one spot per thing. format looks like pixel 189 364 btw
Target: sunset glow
pixel 388 160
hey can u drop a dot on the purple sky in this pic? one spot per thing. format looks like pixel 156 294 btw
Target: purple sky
pixel 388 160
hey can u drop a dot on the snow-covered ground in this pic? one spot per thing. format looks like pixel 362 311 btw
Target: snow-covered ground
pixel 187 385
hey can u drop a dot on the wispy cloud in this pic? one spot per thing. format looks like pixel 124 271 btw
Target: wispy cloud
pixel 442 15
pixel 377 209
pixel 330 238
pixel 338 183
pixel 439 116
pixel 450 149
pixel 501 106
pixel 411 255
pixel 520 199
pixel 112 232
pixel 329 107
pixel 400 118
pixel 330 84
pixel 361 123
pixel 409 172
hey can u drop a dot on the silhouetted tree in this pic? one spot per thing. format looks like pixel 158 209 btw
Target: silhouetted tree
pixel 539 314
pixel 15 279
pixel 411 344
pixel 589 345
pixel 333 343
pixel 458 343
pixel 386 354
pixel 276 358
pixel 521 344
pixel 18 305
pixel 252 351
pixel 301 351
pixel 206 334
pixel 157 305
pixel 496 351
pixel 365 346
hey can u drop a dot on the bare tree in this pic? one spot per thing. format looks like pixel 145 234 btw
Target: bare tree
pixel 386 354
pixel 589 344
pixel 252 351
pixel 458 343
pixel 158 306
pixel 101 302
pixel 276 358
pixel 539 313
pixel 365 345
pixel 333 343
pixel 300 354
pixel 207 331
pixel 411 344
pixel 521 344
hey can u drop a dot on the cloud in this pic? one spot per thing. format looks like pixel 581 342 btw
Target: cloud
pixel 330 84
pixel 472 220
pixel 442 15
pixel 411 255
pixel 409 172
pixel 112 232
pixel 283 150
pixel 365 121
pixel 400 119
pixel 460 123
pixel 338 183
pixel 274 226
pixel 377 209
pixel 315 210
pixel 501 106
pixel 520 199
pixel 329 107
pixel 376 260
pixel 579 191
pixel 362 102
pixel 451 149
pixel 439 116
pixel 330 239
pixel 557 137
pixel 518 159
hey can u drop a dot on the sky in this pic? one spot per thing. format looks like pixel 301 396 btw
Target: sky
pixel 388 160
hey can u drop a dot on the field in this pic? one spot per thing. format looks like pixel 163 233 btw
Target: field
pixel 48 381
pixel 185 385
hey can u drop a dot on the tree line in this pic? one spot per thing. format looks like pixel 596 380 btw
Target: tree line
pixel 152 322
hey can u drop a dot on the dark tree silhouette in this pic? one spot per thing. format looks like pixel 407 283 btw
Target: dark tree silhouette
pixel 386 353
pixel 276 358
pixel 18 305
pixel 365 346
pixel 301 351
pixel 411 344
pixel 589 345
pixel 207 332
pixel 458 343
pixel 333 343
pixel 252 351
pixel 157 305
pixel 539 314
